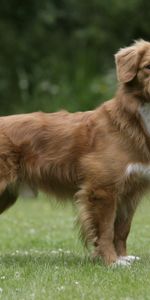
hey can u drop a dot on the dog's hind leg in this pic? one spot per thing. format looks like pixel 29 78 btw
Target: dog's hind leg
pixel 7 198
pixel 97 216
pixel 9 168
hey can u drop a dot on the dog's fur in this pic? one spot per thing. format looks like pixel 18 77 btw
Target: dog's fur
pixel 101 157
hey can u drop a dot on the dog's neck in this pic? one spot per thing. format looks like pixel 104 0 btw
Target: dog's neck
pixel 144 112
pixel 135 103
pixel 126 113
pixel 135 90
pixel 129 100
pixel 123 111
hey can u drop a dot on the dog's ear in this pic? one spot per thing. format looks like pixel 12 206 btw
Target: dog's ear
pixel 127 60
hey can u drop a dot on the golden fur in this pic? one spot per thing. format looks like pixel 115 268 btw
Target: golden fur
pixel 86 155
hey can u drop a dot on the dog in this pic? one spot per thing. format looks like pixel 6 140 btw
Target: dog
pixel 101 158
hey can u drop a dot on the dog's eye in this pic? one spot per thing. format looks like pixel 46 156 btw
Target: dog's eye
pixel 147 67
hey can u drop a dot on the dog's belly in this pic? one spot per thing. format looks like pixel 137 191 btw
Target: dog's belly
pixel 57 189
pixel 26 191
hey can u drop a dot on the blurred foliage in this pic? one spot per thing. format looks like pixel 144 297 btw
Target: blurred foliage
pixel 59 53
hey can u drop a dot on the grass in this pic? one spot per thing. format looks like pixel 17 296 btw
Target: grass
pixel 42 258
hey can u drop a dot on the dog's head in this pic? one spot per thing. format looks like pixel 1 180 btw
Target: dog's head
pixel 133 65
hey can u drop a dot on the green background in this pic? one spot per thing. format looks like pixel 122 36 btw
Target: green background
pixel 58 54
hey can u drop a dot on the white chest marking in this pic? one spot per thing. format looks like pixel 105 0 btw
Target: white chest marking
pixel 138 169
pixel 145 114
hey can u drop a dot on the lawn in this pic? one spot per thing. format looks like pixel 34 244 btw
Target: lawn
pixel 42 258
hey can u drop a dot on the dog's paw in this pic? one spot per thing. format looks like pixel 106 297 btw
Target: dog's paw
pixel 120 262
pixel 130 258
pixel 125 261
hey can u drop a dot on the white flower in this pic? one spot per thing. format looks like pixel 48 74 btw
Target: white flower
pixel 60 250
pixel 32 295
pixel 61 288
pixel 32 231
pixel 17 275
pixel 54 252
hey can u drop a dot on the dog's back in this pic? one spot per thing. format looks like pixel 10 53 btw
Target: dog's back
pixel 46 149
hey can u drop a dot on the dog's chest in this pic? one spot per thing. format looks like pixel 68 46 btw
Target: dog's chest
pixel 145 115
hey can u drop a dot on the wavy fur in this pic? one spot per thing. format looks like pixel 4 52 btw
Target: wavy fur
pixel 85 155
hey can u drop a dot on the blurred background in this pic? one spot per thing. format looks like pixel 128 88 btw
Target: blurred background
pixel 58 54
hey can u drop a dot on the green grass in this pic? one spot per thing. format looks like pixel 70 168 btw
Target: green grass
pixel 42 258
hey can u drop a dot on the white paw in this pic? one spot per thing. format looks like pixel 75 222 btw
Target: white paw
pixel 125 261
pixel 129 258
pixel 121 263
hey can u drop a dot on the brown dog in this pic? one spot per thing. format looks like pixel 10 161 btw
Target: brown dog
pixel 102 157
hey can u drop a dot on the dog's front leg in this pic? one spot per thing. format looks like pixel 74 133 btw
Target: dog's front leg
pixel 122 228
pixel 97 216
